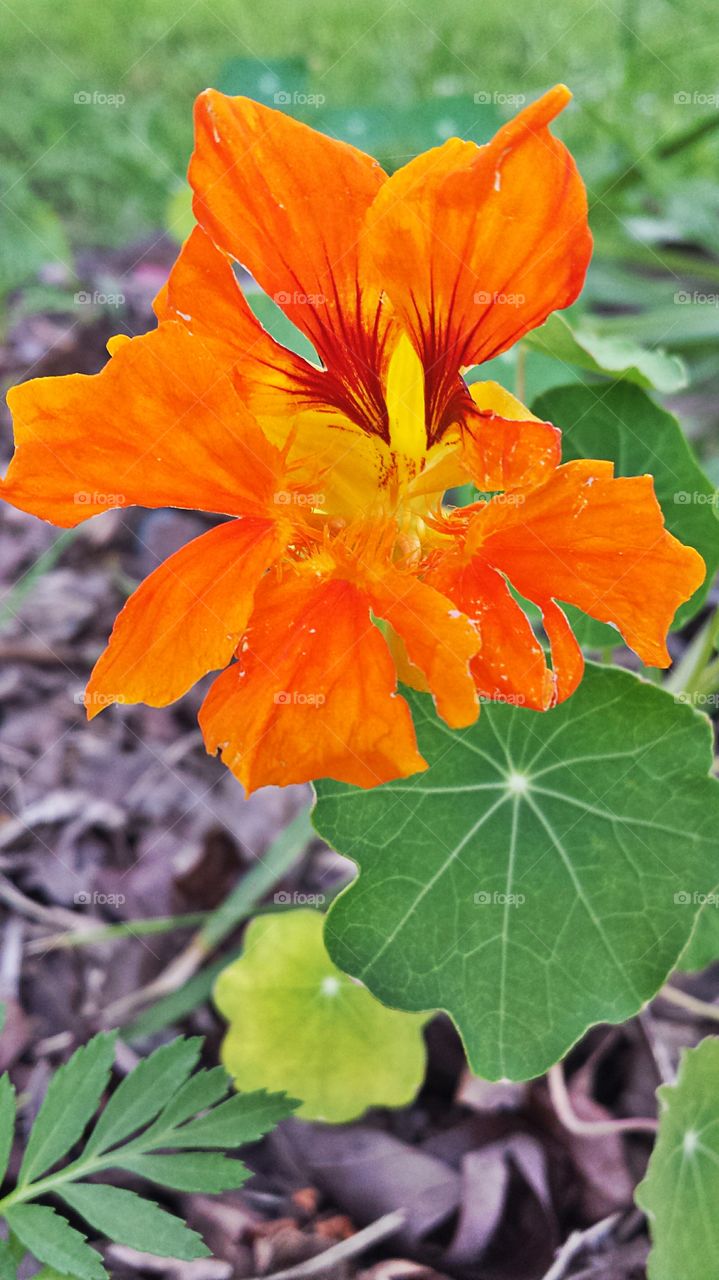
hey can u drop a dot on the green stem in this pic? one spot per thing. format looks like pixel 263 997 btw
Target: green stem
pixel 85 1166
pixel 127 929
pixel 690 675
pixel 520 373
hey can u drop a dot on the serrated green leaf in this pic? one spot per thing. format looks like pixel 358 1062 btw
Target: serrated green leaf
pixel 126 1218
pixel 622 424
pixel 702 948
pixel 298 1023
pixel 70 1103
pixel 8 1269
pixel 7 1122
pixel 49 1273
pixel 680 1192
pixel 192 1171
pixel 52 1240
pixel 526 881
pixel 240 1120
pixel 615 357
pixel 143 1093
pixel 202 1090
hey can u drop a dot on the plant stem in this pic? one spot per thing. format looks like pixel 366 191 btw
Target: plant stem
pixel 250 890
pixel 690 1004
pixel 106 933
pixel 562 1104
pixel 520 373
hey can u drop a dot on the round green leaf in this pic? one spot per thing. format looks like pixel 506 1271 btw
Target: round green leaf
pixel 526 881
pixel 623 424
pixel 680 1192
pixel 299 1024
pixel 702 948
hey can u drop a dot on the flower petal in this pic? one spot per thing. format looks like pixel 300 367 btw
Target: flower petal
pixel 203 294
pixel 288 202
pixel 161 425
pixel 438 640
pixel 313 693
pixel 497 239
pixel 567 656
pixel 596 542
pixel 510 666
pixel 186 618
pixel 509 455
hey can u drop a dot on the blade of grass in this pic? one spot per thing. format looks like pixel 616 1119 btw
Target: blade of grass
pixel 250 890
pixel 10 603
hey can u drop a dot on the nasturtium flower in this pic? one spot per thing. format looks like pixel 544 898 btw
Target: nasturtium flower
pixel 342 568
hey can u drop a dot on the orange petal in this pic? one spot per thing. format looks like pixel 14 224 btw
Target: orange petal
pixel 510 666
pixel 186 619
pixel 509 455
pixel 438 640
pixel 599 543
pixel 567 656
pixel 477 245
pixel 161 425
pixel 288 203
pixel 203 295
pixel 313 693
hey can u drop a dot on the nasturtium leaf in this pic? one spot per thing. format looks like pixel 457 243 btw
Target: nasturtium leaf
pixel 52 1240
pixel 702 948
pixel 126 1218
pixel 7 1122
pixel 70 1103
pixel 526 881
pixel 621 423
pixel 615 357
pixel 204 1171
pixel 680 1192
pixel 144 1092
pixel 298 1023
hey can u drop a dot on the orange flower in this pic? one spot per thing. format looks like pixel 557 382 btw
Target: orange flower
pixel 340 568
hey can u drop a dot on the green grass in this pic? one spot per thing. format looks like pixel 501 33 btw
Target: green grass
pixel 77 175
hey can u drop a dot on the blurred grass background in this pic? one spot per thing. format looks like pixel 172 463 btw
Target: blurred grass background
pixel 393 77
pixel 106 172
